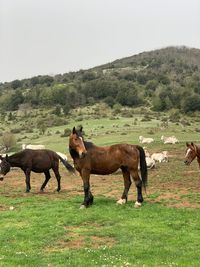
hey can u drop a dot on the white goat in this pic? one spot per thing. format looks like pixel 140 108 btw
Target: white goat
pixel 144 140
pixel 150 163
pixel 169 140
pixel 147 154
pixel 34 147
pixel 160 157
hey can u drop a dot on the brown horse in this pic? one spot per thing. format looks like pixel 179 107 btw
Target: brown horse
pixel 91 159
pixel 192 152
pixel 37 161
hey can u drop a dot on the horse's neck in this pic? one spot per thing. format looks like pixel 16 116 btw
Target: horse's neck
pixel 88 145
pixel 14 160
pixel 73 153
pixel 197 149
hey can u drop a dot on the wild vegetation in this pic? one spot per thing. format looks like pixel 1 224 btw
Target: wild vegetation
pixel 162 79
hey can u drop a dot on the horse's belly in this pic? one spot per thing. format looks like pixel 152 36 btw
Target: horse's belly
pixel 104 170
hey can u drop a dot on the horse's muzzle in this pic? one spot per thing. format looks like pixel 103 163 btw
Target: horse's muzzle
pixel 1 178
pixel 186 162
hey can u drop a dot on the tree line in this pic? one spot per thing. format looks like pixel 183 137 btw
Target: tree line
pixel 162 79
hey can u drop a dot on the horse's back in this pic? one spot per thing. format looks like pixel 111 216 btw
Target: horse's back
pixel 106 160
pixel 40 159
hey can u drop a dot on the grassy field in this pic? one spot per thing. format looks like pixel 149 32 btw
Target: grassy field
pixel 49 229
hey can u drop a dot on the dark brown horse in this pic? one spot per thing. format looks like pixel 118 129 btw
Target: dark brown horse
pixel 34 160
pixel 91 159
pixel 192 152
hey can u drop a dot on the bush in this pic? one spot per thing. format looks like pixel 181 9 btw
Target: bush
pixel 8 140
pixel 66 133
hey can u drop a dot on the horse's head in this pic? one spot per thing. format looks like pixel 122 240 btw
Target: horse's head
pixel 4 167
pixel 76 142
pixel 190 154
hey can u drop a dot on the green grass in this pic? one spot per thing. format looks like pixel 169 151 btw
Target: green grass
pixel 50 230
pixel 39 231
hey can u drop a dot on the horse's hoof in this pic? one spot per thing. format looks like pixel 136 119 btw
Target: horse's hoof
pixel 82 207
pixel 121 201
pixel 27 191
pixel 137 204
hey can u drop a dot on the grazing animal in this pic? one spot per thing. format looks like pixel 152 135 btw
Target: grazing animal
pixel 24 146
pixel 145 140
pixel 91 159
pixel 34 160
pixel 192 152
pixel 150 163
pixel 169 140
pixel 160 157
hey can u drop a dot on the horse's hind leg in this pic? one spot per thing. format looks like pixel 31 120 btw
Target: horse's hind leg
pixel 58 177
pixel 47 177
pixel 127 184
pixel 138 183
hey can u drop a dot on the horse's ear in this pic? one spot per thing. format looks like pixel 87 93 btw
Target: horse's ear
pixel 1 158
pixel 192 144
pixel 6 157
pixel 74 130
pixel 187 144
pixel 81 129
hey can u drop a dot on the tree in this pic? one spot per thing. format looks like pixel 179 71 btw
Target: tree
pixel 57 111
pixel 14 101
pixel 16 84
pixel 191 103
pixel 8 140
pixel 34 80
pixel 66 109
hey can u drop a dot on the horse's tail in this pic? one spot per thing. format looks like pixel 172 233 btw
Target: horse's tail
pixel 143 166
pixel 68 166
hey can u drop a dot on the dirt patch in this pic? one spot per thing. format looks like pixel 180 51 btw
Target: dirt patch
pixel 172 184
pixel 77 237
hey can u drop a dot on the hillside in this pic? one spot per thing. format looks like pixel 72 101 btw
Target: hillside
pixel 162 79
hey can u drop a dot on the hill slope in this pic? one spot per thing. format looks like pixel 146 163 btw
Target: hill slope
pixel 162 79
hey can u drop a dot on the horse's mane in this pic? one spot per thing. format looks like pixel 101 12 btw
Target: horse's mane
pixel 88 145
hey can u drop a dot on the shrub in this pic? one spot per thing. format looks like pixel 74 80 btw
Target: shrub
pixel 66 133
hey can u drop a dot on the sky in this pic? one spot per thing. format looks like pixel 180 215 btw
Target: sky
pixel 39 37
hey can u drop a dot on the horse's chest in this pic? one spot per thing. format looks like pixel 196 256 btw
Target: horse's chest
pixel 81 164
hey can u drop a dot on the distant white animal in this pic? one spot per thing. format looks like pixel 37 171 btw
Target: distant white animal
pixel 145 140
pixel 147 154
pixel 34 147
pixel 169 140
pixel 160 157
pixel 150 163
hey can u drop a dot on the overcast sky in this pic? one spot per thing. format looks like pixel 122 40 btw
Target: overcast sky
pixel 56 36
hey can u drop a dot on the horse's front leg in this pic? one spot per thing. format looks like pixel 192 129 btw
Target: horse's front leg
pixel 28 185
pixel 88 197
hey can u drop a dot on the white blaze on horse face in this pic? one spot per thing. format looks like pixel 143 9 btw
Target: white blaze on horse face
pixel 83 150
pixel 188 152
